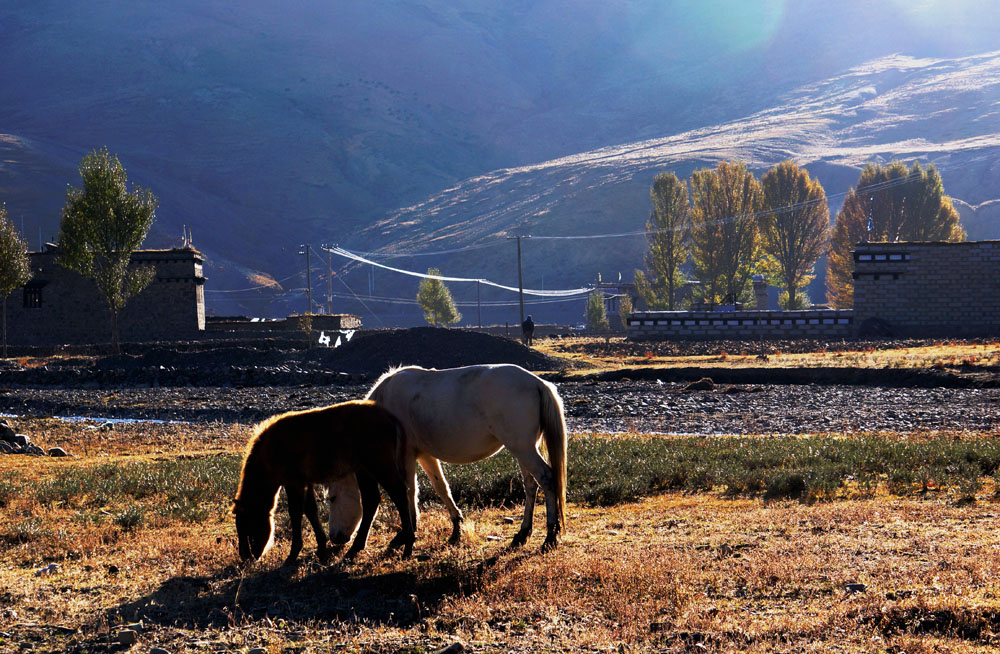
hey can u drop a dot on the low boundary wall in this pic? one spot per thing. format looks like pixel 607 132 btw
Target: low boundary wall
pixel 741 325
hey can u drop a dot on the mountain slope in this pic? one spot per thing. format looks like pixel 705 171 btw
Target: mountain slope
pixel 945 112
pixel 263 125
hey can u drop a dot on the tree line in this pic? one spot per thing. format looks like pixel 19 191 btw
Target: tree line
pixel 723 226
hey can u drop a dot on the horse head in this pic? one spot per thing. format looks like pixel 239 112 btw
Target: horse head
pixel 254 529
pixel 345 509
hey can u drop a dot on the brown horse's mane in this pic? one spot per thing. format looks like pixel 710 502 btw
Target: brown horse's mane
pixel 258 439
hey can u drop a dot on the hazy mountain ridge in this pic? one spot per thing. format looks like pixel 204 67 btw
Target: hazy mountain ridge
pixel 886 110
pixel 262 125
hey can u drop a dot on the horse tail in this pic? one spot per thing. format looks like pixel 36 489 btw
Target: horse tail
pixel 553 423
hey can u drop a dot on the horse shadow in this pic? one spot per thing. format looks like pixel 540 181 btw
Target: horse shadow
pixel 237 595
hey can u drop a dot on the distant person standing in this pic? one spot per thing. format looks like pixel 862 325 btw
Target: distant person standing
pixel 527 331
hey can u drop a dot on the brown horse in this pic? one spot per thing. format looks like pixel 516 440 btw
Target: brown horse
pixel 316 446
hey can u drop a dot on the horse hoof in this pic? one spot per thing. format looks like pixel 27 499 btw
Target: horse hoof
pixel 549 544
pixel 456 532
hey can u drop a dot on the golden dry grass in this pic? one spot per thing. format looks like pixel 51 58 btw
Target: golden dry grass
pixel 684 573
pixel 938 355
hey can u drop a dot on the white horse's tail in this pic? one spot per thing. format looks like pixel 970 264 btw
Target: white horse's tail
pixel 553 424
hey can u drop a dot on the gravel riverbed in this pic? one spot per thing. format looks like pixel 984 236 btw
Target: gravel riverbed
pixel 245 382
pixel 603 407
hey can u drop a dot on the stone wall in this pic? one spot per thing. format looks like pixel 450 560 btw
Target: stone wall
pixel 928 289
pixel 59 306
pixel 320 322
pixel 740 325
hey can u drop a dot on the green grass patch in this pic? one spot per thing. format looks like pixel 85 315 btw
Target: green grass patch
pixel 603 471
pixel 606 471
pixel 178 488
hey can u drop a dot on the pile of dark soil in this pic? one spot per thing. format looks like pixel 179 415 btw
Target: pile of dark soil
pixel 366 356
pixel 374 352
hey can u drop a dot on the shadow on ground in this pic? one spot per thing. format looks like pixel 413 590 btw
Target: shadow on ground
pixel 236 594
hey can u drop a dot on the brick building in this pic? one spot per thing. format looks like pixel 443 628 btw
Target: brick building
pixel 59 306
pixel 928 288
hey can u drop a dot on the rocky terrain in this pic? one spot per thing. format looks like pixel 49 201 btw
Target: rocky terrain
pixel 613 407
pixel 245 384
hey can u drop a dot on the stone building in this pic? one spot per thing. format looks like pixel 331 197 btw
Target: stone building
pixel 928 288
pixel 59 306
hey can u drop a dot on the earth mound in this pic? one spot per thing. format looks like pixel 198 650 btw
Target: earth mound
pixel 373 352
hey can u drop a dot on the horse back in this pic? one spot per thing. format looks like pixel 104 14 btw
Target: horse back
pixel 463 414
pixel 320 445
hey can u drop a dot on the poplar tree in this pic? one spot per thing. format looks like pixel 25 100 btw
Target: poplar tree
pixel 597 316
pixel 724 231
pixel 436 301
pixel 15 268
pixel 102 225
pixel 889 203
pixel 669 228
pixel 794 228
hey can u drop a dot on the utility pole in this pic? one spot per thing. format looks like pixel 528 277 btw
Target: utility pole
pixel 329 280
pixel 309 293
pixel 520 285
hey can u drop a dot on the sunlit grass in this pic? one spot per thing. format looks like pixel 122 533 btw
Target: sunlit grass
pixel 616 356
pixel 734 543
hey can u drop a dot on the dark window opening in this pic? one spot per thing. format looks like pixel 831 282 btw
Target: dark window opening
pixel 32 297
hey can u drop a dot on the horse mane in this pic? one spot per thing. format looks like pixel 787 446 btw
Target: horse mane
pixel 255 443
pixel 258 432
pixel 386 375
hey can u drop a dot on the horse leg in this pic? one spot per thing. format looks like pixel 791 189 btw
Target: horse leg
pixel 412 489
pixel 400 496
pixel 530 494
pixel 296 498
pixel 370 498
pixel 433 469
pixel 536 466
pixel 312 513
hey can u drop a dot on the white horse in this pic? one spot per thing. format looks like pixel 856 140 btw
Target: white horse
pixel 463 415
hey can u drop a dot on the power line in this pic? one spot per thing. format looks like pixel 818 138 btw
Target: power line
pixel 542 293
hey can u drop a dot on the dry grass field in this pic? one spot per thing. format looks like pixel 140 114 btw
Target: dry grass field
pixel 138 528
pixel 616 354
